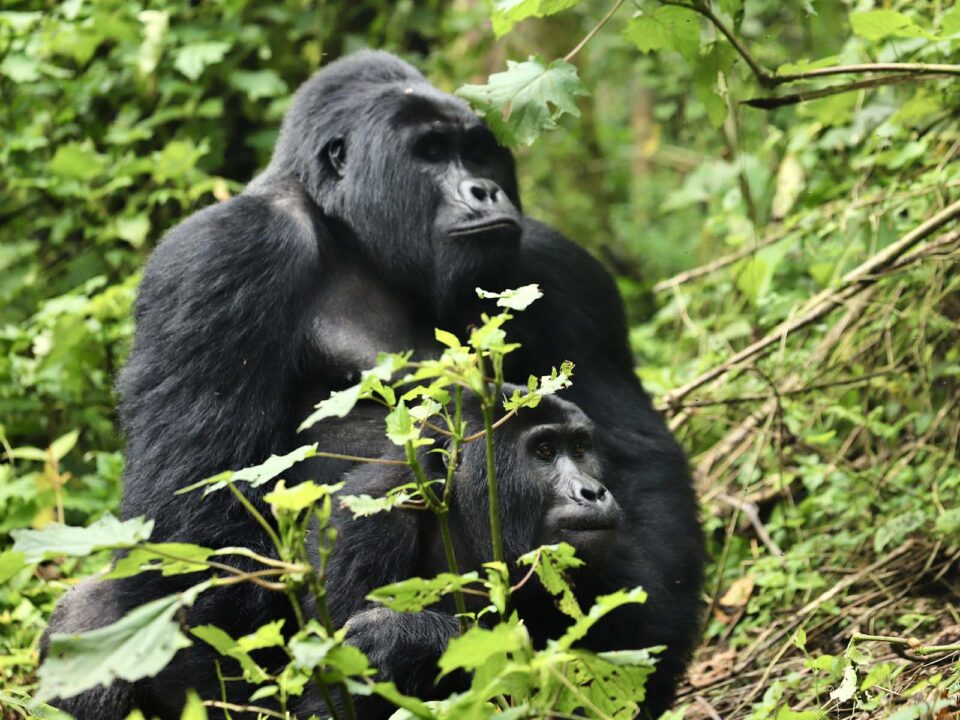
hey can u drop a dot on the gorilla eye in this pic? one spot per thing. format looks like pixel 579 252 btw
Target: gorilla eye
pixel 546 450
pixel 579 448
pixel 434 147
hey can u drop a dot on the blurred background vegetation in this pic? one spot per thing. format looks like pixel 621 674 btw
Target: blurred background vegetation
pixel 827 461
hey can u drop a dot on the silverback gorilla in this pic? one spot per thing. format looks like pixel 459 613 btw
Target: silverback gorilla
pixel 386 202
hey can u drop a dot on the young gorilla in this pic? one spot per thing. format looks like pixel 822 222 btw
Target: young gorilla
pixel 550 469
pixel 386 202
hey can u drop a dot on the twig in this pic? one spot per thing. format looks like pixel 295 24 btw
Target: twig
pixel 915 645
pixel 769 103
pixel 718 264
pixel 616 6
pixel 771 79
pixel 245 708
pixel 824 302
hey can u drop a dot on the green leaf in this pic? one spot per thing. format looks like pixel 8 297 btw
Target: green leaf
pixel 666 28
pixel 138 645
pixel 400 426
pixel 300 496
pixel 339 404
pixel 365 505
pixel 192 59
pixel 256 475
pixel 193 709
pixel 413 705
pixel 415 594
pixel 948 523
pixel 187 558
pixel 258 84
pixel 447 338
pixel 269 635
pixel 550 562
pixel 519 299
pixel 506 13
pixel 107 533
pixel 228 647
pixel 11 562
pixel 20 68
pixel 537 95
pixel 472 649
pixel 64 444
pixel 898 527
pixel 950 21
pixel 604 605
pixel 77 161
pixel 880 24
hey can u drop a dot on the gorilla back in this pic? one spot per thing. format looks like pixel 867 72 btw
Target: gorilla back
pixel 385 203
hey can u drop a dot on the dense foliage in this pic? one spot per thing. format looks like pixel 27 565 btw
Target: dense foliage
pixel 774 185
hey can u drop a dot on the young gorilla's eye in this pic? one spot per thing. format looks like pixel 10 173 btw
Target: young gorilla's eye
pixel 579 449
pixel 546 450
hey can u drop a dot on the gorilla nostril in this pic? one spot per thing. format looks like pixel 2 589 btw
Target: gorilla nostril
pixel 478 192
pixel 601 493
pixel 589 495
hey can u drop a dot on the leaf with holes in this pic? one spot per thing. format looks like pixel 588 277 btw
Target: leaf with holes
pixel 532 95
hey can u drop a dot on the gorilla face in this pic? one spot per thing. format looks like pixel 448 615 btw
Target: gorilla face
pixel 411 173
pixel 549 471
pixel 580 510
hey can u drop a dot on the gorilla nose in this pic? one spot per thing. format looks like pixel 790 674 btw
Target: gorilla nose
pixel 480 193
pixel 590 491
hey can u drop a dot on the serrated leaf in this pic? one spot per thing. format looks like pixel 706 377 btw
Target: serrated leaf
pixel 666 28
pixel 533 96
pixel 168 558
pixel 400 426
pixel 550 563
pixel 300 496
pixel 138 645
pixel 339 404
pixel 107 533
pixel 192 59
pixel 415 594
pixel 256 475
pixel 477 645
pixel 517 299
pixel 507 13
pixel 604 605
pixel 269 635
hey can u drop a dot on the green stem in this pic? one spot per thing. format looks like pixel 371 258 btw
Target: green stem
pixel 493 494
pixel 271 533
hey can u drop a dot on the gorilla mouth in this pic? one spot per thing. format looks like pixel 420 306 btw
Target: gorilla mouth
pixel 496 225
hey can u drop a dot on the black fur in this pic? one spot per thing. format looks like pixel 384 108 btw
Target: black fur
pixel 361 236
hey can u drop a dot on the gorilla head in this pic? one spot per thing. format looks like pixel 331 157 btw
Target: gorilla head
pixel 386 155
pixel 550 471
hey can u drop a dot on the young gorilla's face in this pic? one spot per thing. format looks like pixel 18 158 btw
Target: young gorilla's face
pixel 550 474
pixel 580 509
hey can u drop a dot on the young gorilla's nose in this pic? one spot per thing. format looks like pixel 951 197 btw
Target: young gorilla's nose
pixel 479 191
pixel 588 491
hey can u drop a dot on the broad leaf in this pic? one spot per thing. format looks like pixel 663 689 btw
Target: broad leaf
pixel 472 649
pixel 533 95
pixel 506 13
pixel 415 594
pixel 138 645
pixel 666 28
pixel 107 533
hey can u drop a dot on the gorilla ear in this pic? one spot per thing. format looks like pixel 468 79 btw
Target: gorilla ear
pixel 335 154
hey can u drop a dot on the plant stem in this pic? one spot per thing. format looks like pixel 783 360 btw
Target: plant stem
pixel 616 6
pixel 493 493
pixel 271 533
